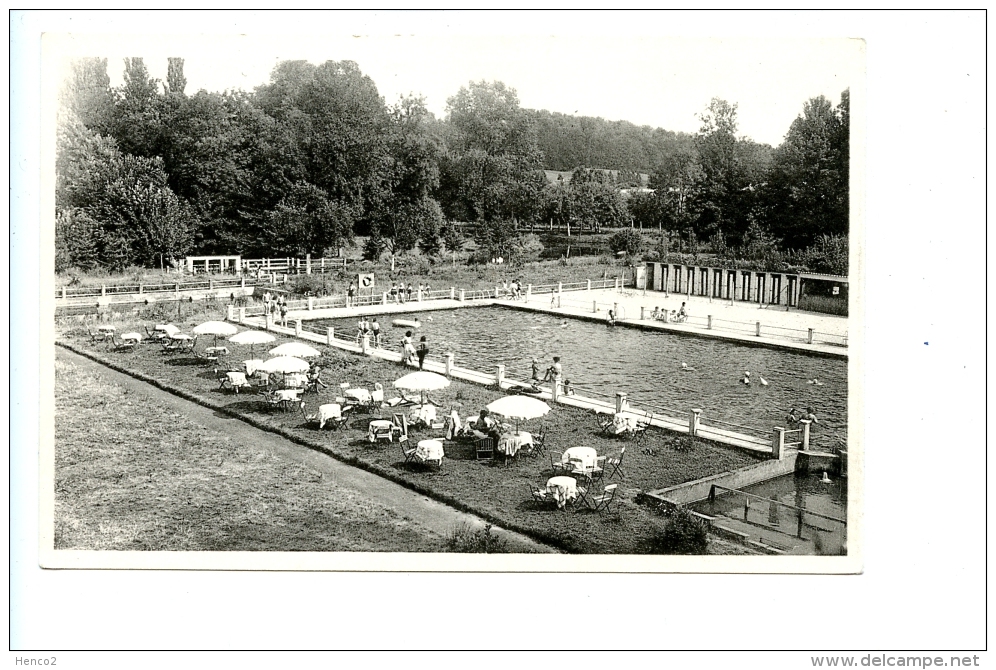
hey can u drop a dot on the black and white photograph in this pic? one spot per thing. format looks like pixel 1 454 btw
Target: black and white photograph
pixel 336 303
pixel 464 299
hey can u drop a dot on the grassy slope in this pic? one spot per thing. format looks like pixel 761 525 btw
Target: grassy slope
pixel 133 476
pixel 498 491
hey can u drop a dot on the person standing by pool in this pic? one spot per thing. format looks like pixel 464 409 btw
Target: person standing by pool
pixel 811 416
pixel 375 331
pixel 612 318
pixel 406 348
pixel 283 311
pixel 394 292
pixel 350 293
pixel 536 370
pixel 422 351
pixel 791 420
pixel 554 372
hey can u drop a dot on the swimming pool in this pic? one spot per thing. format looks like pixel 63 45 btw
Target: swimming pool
pixel 646 364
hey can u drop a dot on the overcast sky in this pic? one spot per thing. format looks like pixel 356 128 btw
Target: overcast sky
pixel 619 66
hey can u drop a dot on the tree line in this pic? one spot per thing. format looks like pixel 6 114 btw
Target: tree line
pixel 305 163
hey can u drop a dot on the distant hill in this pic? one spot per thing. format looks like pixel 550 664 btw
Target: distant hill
pixel 568 142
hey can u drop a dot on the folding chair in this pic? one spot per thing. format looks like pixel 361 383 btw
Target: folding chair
pixel 614 465
pixel 377 398
pixel 272 399
pixel 486 449
pixel 408 452
pixel 309 419
pixel 602 501
pixel 557 462
pixel 120 345
pixel 99 336
pixel 540 495
pixel 539 443
pixel 641 428
pixel 604 425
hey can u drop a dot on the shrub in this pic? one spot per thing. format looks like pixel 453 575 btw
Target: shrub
pixel 683 533
pixel 466 540
pixel 627 240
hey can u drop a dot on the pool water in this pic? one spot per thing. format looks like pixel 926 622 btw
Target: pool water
pixel 599 361
pixel 771 521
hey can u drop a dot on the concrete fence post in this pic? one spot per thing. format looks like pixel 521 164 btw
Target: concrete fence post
pixel 365 344
pixel 63 292
pixel 311 303
pixel 420 294
pixel 231 312
pixel 242 314
pixel 141 290
pixel 642 312
pixel 589 286
pixel 757 329
pixel 693 421
pixel 556 391
pixel 210 284
pixel 297 328
pixel 621 401
pixel 778 443
pixel 268 323
pixel 809 337
pixel 307 264
pixel 499 375
pixel 243 282
pixel 709 322
pixel 594 306
pixel 383 298
pixel 452 293
pixel 103 289
pixel 615 309
pixel 449 364
pixel 560 287
pixel 329 335
pixel 529 291
pixel 805 434
pixel 463 295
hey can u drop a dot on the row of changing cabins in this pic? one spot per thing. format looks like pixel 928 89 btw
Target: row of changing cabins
pixel 769 288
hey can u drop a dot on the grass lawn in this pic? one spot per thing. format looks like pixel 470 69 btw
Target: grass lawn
pixel 492 490
pixel 138 477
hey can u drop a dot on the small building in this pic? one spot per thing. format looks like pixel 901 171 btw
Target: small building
pixel 214 264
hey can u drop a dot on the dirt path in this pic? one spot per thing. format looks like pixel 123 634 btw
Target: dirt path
pixel 432 514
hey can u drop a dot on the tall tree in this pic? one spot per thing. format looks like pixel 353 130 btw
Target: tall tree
pixel 808 193
pixel 87 94
pixel 175 81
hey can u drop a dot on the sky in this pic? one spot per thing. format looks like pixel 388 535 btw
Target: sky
pixel 625 66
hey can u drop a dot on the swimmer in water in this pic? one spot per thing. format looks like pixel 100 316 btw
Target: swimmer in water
pixel 685 368
pixel 815 382
pixel 746 380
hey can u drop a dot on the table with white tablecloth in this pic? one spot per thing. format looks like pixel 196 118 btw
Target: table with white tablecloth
pixel 429 450
pixel 357 395
pixel 562 489
pixel 510 443
pixel 328 412
pixel 295 380
pixel 422 414
pixel 582 460
pixel 382 427
pixel 288 396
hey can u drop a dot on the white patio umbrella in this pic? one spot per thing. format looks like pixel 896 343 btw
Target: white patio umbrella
pixel 519 408
pixel 298 349
pixel 422 381
pixel 216 328
pixel 284 364
pixel 252 338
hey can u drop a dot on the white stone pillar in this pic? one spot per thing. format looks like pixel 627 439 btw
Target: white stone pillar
pixel 778 443
pixel 757 329
pixel 622 402
pixel 242 314
pixel 329 335
pixel 529 291
pixel 809 336
pixel 499 376
pixel 588 288
pixel 231 312
pixel 311 303
pixel 452 293
pixel 449 363
pixel 365 344
pixel 297 328
pixel 805 434
pixel 268 321
pixel 594 306
pixel 642 312
pixel 693 421
pixel 463 295
pixel 709 322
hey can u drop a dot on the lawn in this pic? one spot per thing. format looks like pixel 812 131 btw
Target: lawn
pixel 492 490
pixel 132 476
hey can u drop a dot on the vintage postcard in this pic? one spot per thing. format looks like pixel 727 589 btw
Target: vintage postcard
pixel 437 302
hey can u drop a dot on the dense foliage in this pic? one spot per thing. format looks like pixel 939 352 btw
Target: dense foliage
pixel 305 163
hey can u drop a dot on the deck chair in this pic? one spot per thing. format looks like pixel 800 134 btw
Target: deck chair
pixel 601 502
pixel 486 449
pixel 309 419
pixel 539 443
pixel 613 466
pixel 598 471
